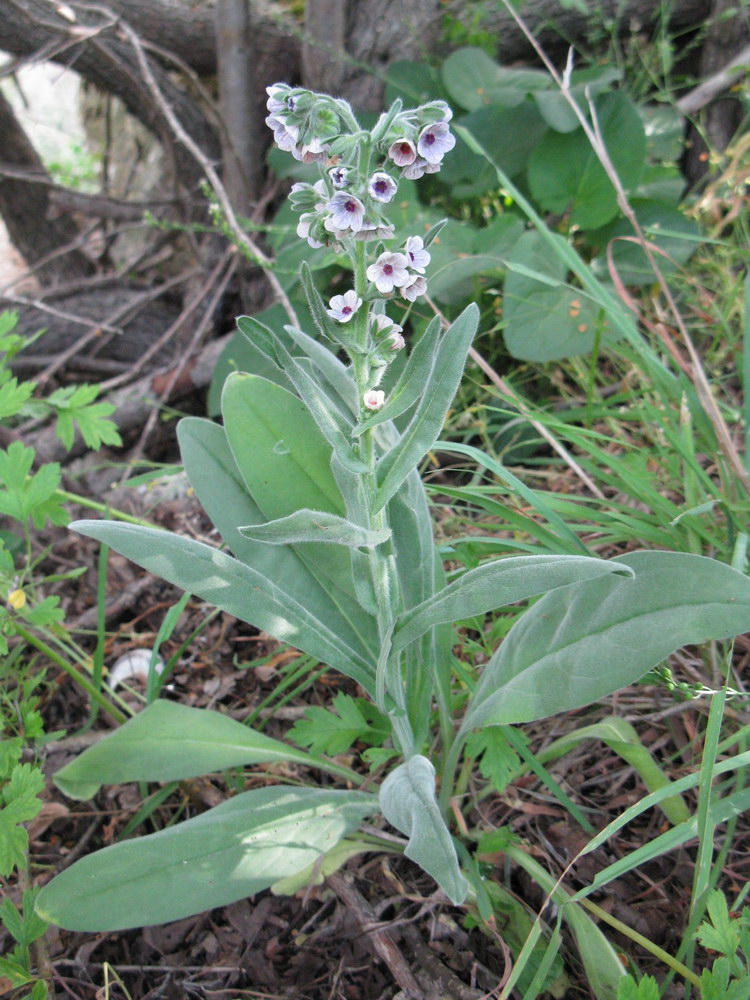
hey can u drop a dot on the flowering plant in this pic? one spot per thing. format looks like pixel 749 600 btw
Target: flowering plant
pixel 317 495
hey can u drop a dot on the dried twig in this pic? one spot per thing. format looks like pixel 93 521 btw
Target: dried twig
pixel 380 940
pixel 243 240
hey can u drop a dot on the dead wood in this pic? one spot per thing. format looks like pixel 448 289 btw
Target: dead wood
pixel 34 227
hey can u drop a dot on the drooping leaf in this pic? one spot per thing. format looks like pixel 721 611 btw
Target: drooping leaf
pixel 496 584
pixel 577 645
pixel 474 80
pixel 407 799
pixel 234 587
pixel 235 850
pixel 168 742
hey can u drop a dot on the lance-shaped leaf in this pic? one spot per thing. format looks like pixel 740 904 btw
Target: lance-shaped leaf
pixel 424 427
pixel 334 424
pixel 496 584
pixel 214 476
pixel 333 371
pixel 412 381
pixel 235 850
pixel 315 526
pixel 407 800
pixel 234 587
pixel 575 646
pixel 168 742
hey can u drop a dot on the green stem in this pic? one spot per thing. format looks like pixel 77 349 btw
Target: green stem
pixel 103 508
pixel 644 942
pixel 69 669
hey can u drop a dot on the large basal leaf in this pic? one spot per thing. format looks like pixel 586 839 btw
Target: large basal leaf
pixel 666 227
pixel 566 176
pixel 214 476
pixel 168 742
pixel 496 584
pixel 424 427
pixel 578 645
pixel 545 320
pixel 234 587
pixel 473 79
pixel 235 850
pixel 407 800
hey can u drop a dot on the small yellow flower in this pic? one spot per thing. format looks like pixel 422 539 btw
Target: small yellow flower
pixel 17 599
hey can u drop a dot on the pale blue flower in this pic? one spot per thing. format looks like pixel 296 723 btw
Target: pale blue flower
pixel 347 213
pixel 418 257
pixel 388 272
pixel 435 141
pixel 382 186
pixel 343 307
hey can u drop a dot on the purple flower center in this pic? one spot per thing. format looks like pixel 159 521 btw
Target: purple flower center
pixel 346 310
pixel 381 187
pixel 405 149
pixel 388 269
pixel 411 256
pixel 350 206
pixel 429 138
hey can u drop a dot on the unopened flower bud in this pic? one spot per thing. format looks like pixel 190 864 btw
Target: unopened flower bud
pixel 374 399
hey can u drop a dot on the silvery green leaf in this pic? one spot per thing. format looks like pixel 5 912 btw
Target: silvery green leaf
pixel 234 587
pixel 228 853
pixel 314 526
pixel 407 800
pixel 214 476
pixel 335 373
pixel 333 423
pixel 577 645
pixel 168 741
pixel 425 426
pixel 496 584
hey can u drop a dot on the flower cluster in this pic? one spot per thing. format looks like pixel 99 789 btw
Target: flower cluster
pixel 359 177
pixel 347 203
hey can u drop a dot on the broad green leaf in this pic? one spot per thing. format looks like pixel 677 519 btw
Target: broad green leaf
pixel 281 455
pixel 407 800
pixel 329 368
pixel 285 462
pixel 245 353
pixel 235 850
pixel 555 107
pixel 545 319
pixel 214 475
pixel 565 175
pixel 496 584
pixel 425 426
pixel 473 79
pixel 249 594
pixel 314 526
pixel 318 871
pixel 168 742
pixel 581 644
